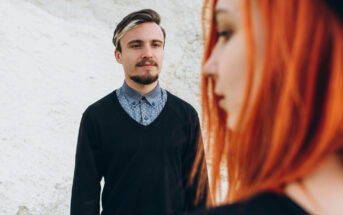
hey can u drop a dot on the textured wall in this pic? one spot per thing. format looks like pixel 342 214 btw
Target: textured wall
pixel 56 58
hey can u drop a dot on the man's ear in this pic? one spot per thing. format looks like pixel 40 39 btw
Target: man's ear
pixel 117 54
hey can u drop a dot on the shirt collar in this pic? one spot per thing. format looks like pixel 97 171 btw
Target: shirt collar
pixel 134 97
pixel 154 97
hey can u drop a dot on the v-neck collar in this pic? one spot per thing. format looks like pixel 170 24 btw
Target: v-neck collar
pixel 134 122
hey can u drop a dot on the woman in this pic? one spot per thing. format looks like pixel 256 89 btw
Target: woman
pixel 272 94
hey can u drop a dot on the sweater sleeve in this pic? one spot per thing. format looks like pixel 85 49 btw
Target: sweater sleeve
pixel 87 175
pixel 194 145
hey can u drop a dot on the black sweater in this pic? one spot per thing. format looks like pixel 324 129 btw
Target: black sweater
pixel 145 168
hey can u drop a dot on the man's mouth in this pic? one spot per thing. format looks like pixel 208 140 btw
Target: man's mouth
pixel 146 63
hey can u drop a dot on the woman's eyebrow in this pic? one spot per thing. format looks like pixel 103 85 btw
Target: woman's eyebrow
pixel 220 11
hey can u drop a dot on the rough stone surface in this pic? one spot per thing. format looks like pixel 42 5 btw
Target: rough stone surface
pixel 56 58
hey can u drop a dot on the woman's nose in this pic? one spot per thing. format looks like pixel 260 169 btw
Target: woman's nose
pixel 211 66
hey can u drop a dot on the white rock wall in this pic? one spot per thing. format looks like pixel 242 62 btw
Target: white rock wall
pixel 56 58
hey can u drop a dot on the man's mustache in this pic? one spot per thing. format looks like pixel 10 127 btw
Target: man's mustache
pixel 147 62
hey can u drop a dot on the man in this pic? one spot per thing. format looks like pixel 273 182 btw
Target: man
pixel 140 138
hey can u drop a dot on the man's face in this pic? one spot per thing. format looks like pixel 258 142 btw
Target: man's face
pixel 142 53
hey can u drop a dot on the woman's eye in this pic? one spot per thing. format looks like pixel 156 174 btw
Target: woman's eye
pixel 224 35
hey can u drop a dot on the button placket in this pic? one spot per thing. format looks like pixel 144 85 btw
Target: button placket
pixel 145 112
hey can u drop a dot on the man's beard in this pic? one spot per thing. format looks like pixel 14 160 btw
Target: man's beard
pixel 145 80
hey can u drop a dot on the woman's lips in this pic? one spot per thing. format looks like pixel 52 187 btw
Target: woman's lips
pixel 219 97
pixel 221 100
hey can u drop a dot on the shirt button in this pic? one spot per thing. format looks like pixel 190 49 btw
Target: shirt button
pixel 145 118
pixel 153 104
pixel 133 103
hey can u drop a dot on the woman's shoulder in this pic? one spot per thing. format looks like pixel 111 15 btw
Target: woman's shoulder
pixel 264 203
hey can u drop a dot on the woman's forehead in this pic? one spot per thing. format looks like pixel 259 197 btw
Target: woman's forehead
pixel 229 7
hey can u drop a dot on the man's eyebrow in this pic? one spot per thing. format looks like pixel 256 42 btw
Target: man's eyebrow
pixel 141 41
pixel 157 41
pixel 134 41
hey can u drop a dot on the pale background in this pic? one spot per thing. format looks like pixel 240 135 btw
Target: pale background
pixel 56 58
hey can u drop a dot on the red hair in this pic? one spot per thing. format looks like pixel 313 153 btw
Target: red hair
pixel 295 118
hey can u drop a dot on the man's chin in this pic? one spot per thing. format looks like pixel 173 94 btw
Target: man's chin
pixel 144 80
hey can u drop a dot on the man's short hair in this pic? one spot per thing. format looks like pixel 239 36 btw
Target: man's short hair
pixel 132 20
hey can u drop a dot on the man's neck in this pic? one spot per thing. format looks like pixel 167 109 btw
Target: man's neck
pixel 141 88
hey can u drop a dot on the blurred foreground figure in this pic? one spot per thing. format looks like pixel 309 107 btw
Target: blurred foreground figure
pixel 140 138
pixel 272 98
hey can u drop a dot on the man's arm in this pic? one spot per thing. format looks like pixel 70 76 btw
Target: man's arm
pixel 194 169
pixel 87 175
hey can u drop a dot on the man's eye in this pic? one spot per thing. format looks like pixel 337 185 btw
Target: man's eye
pixel 224 35
pixel 135 46
pixel 156 45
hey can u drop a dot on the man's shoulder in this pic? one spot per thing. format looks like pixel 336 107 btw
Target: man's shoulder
pixel 102 105
pixel 180 106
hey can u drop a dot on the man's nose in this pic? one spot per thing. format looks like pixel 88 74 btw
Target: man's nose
pixel 147 52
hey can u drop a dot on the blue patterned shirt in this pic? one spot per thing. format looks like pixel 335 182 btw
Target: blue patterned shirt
pixel 142 108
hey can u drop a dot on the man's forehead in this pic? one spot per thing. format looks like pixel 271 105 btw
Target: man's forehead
pixel 145 32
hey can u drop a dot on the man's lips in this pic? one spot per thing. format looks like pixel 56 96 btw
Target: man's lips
pixel 146 65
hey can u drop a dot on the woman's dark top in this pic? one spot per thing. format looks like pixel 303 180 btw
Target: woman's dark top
pixel 261 204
